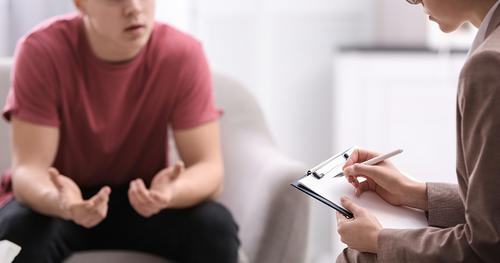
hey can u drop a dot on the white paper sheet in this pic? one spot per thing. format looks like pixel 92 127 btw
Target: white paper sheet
pixel 388 215
pixel 8 251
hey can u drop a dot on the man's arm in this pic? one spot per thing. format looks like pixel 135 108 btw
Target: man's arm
pixel 176 187
pixel 200 150
pixel 43 189
pixel 34 148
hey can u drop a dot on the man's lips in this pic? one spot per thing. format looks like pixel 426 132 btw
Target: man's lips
pixel 133 27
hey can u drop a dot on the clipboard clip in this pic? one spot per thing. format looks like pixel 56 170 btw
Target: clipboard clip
pixel 320 170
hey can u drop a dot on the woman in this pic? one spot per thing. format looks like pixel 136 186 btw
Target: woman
pixel 464 221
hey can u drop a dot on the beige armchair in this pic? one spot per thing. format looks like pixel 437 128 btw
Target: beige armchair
pixel 273 217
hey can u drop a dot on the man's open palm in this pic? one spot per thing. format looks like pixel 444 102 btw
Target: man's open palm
pixel 87 213
pixel 148 202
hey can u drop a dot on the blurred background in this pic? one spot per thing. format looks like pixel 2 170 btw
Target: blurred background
pixel 328 74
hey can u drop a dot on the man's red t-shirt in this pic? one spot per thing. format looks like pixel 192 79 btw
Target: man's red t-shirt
pixel 112 118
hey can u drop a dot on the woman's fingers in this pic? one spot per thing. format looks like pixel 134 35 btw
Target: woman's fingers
pixel 377 173
pixel 352 159
pixel 362 187
pixel 351 206
pixel 340 218
pixel 359 156
pixel 353 180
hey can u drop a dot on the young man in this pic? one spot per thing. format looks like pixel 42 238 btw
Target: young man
pixel 464 220
pixel 92 95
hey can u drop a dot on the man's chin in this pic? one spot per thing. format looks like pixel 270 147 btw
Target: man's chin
pixel 137 42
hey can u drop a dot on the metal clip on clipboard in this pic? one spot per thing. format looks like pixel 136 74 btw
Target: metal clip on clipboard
pixel 318 173
pixel 332 164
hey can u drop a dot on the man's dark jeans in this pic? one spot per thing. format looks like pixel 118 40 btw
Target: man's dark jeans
pixel 204 233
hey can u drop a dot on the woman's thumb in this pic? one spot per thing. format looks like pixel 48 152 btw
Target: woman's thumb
pixel 350 205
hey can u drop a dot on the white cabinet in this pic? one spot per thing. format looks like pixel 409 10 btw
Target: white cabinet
pixel 384 100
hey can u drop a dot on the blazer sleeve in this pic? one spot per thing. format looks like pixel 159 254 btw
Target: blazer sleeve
pixel 478 238
pixel 446 208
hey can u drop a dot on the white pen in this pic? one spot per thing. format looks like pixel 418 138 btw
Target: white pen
pixel 376 160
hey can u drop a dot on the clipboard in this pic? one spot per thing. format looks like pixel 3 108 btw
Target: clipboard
pixel 322 173
pixel 320 198
pixel 324 184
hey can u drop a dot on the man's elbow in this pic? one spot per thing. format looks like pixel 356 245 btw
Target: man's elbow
pixel 219 171
pixel 17 184
pixel 29 184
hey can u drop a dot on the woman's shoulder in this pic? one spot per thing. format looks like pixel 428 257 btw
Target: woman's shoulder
pixel 485 60
pixel 480 73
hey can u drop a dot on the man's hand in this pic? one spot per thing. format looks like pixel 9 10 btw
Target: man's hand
pixel 148 202
pixel 361 232
pixel 87 213
pixel 385 180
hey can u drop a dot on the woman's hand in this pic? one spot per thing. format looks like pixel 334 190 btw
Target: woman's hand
pixel 361 232
pixel 385 180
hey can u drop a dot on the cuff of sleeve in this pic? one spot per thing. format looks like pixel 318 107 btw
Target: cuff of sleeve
pixel 27 116
pixel 445 205
pixel 199 121
pixel 387 242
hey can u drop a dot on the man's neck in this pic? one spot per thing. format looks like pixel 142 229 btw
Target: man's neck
pixel 106 49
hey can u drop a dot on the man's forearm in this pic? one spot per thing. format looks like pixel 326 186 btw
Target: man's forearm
pixel 197 183
pixel 33 188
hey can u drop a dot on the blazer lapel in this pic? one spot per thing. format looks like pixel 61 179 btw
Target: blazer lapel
pixel 494 23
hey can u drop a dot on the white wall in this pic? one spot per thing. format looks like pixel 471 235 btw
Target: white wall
pixel 281 50
pixel 25 14
pixel 399 23
pixel 460 39
pixel 175 12
pixel 4 28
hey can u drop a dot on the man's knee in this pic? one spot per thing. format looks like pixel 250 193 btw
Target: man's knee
pixel 214 234
pixel 20 224
pixel 213 218
pixel 31 231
